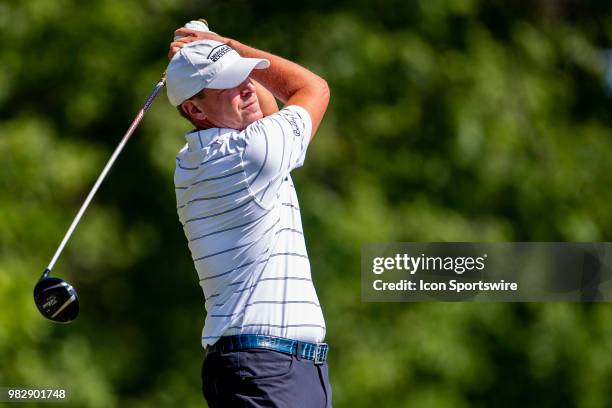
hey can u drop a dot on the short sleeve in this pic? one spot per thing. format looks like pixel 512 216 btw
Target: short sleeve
pixel 275 145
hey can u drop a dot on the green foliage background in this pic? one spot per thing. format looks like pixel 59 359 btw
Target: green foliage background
pixel 450 120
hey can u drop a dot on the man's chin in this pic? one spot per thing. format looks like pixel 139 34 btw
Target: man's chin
pixel 252 117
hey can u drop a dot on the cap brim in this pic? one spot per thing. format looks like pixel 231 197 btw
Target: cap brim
pixel 236 73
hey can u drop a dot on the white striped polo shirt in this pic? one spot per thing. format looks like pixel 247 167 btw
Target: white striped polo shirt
pixel 241 216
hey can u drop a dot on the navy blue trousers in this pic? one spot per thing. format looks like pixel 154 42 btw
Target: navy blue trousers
pixel 264 378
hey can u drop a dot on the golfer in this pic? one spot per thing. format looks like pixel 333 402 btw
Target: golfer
pixel 238 205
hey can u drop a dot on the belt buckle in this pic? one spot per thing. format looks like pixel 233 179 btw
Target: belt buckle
pixel 317 360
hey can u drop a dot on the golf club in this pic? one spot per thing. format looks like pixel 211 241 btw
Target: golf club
pixel 56 299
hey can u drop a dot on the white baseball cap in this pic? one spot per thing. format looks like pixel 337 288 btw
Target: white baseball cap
pixel 207 64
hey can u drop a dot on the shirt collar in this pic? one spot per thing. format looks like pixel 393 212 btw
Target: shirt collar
pixel 198 139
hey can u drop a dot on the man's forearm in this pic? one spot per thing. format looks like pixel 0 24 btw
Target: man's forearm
pixel 267 103
pixel 283 78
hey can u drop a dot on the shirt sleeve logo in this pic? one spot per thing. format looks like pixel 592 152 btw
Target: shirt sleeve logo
pixel 294 126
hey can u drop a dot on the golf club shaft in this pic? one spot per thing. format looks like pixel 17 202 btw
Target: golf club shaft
pixel 106 169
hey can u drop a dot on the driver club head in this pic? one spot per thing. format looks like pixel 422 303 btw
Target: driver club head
pixel 56 299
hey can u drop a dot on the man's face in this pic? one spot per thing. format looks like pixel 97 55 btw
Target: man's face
pixel 234 108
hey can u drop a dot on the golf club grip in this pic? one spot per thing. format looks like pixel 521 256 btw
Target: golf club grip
pixel 197 25
pixel 106 169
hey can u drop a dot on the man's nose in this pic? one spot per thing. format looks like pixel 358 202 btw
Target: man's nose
pixel 247 87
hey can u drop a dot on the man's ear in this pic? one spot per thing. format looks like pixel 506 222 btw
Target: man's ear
pixel 192 110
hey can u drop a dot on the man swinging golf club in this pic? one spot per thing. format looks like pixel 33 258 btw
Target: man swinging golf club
pixel 238 206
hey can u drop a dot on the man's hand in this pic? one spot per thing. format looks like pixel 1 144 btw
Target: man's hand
pixel 189 35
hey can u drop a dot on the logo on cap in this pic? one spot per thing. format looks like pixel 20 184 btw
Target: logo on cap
pixel 218 52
